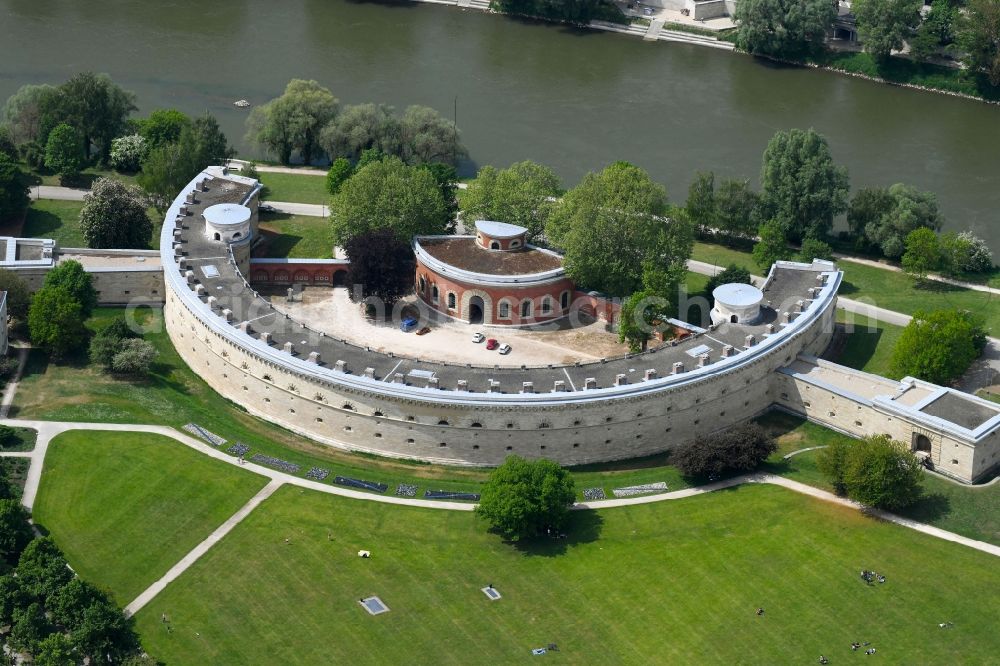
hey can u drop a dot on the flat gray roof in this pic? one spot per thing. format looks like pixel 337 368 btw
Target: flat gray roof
pixel 961 410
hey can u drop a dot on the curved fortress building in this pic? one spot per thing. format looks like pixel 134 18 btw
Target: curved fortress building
pixel 352 397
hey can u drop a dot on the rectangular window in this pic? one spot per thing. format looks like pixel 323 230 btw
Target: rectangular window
pixel 504 310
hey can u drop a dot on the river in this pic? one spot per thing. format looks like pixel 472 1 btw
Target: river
pixel 575 100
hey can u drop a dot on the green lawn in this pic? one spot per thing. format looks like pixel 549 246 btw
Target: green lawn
pixel 883 288
pixel 86 179
pixel 989 395
pixel 296 236
pixel 125 507
pixel 869 344
pixel 673 582
pixel 294 188
pixel 58 220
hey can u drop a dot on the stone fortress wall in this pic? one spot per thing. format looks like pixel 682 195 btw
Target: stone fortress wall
pixel 592 422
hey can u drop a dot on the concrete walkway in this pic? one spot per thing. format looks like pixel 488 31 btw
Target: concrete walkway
pixel 653 32
pixel 58 193
pixel 291 208
pixel 49 429
pixel 195 554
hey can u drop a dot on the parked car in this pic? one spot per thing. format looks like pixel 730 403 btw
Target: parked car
pixel 492 344
pixel 407 324
pixel 266 208
pixel 505 348
pixel 478 337
pixel 424 331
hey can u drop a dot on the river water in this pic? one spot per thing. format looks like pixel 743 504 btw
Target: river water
pixel 575 100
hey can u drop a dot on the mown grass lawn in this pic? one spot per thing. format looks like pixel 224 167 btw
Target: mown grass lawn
pixel 675 582
pixel 58 220
pixel 879 287
pixel 294 188
pixel 296 236
pixel 125 507
pixel 868 344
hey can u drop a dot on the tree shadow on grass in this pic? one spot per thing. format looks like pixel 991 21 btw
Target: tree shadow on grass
pixel 847 287
pixel 41 223
pixel 929 508
pixel 583 526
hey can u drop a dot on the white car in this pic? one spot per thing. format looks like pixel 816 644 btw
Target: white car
pixel 504 348
pixel 478 337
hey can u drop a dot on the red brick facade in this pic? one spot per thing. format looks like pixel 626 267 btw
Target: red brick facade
pixel 328 273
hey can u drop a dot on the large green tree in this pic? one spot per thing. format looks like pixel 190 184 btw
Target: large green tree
pixel 801 185
pixel 361 127
pixel 78 283
pixel 382 266
pixel 114 216
pixel 772 245
pixel 783 28
pixel 63 154
pixel 55 321
pixel 737 210
pixel 923 253
pixel 162 126
pixel 701 206
pixel 388 194
pixel 640 315
pixel 875 471
pixel 522 194
pixel 15 531
pixel 96 107
pixel 13 188
pixel 293 121
pixel 884 216
pixel 616 223
pixel 23 112
pixel 525 498
pixel 885 24
pixel 979 36
pixel 429 137
pixel 170 167
pixel 938 346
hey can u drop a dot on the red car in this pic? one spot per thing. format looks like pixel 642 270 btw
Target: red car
pixel 492 344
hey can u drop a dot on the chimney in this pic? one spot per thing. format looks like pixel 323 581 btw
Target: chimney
pixel 558 386
pixel 750 341
pixel 678 368
pixel 370 373
pixel 527 387
pixel 621 380
pixel 265 337
pixel 288 348
pixel 340 366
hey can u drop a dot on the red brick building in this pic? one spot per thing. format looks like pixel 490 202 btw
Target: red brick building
pixel 494 277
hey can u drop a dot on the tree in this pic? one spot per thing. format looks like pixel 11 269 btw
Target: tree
pixel 936 30
pixel 700 206
pixel 7 147
pixel 77 282
pixel 106 342
pixel 13 188
pixel 293 121
pixel 133 357
pixel 428 137
pixel 783 28
pixel 56 649
pixel 814 248
pixel 923 253
pixel 42 570
pixel 738 449
pixel 523 498
pixel 522 194
pixel 114 216
pixel 360 127
pixel 966 253
pixel 875 471
pixel 23 113
pixel 737 210
pixel 886 215
pixel 615 223
pixel 104 633
pixel 11 598
pixel 18 296
pixel 388 194
pixel 446 178
pixel 163 126
pixel 207 142
pixel 97 107
pixel 55 321
pixel 340 171
pixel 884 24
pixel 732 274
pixel 170 167
pixel 382 266
pixel 979 37
pixel 772 245
pixel 29 628
pixel 801 184
pixel 640 314
pixel 63 154
pixel 15 530
pixel 128 152
pixel 938 346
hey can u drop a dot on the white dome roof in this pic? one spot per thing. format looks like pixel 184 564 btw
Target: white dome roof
pixel 225 215
pixel 738 295
pixel 499 229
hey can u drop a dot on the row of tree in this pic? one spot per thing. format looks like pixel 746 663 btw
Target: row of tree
pixel 797 29
pixel 308 120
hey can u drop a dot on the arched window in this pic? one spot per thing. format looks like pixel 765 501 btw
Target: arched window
pixel 236 235
pixel 494 245
pixel 546 305
pixel 218 236
pixel 504 310
pixel 434 293
pixel 564 300
pixel 526 309
pixel 515 243
pixel 423 285
pixel 451 300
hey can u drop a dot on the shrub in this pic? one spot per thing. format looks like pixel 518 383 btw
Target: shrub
pixel 738 449
pixel 108 341
pixel 338 174
pixel 875 471
pixel 134 357
pixel 938 346
pixel 7 436
pixel 128 152
pixel 814 248
pixel 250 170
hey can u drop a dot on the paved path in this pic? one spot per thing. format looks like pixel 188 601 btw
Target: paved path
pixel 291 208
pixel 58 193
pixel 653 32
pixel 48 429
pixel 195 554
pixel 896 269
pixel 11 390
